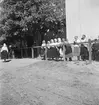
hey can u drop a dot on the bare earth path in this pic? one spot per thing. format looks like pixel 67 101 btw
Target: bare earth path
pixel 36 82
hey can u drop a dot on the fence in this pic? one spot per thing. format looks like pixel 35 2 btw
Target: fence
pixel 34 51
pixel 22 52
pixel 27 52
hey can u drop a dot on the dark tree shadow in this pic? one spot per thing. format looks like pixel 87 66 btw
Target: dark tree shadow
pixel 7 61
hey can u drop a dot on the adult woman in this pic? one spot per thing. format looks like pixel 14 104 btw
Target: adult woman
pixel 48 50
pixel 10 51
pixel 68 51
pixel 84 50
pixel 43 50
pixel 4 52
pixel 59 41
pixel 52 49
pixel 60 47
pixel 56 41
pixel 76 47
pixel 56 49
pixel 95 50
pixel 76 40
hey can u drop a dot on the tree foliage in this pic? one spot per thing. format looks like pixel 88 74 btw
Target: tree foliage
pixel 23 18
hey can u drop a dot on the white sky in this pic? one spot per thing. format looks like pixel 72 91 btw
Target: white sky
pixel 82 18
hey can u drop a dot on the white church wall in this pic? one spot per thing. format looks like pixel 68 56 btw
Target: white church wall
pixel 82 18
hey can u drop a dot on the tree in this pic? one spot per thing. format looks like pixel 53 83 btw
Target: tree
pixel 21 19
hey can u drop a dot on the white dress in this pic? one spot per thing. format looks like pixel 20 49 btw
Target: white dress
pixel 4 49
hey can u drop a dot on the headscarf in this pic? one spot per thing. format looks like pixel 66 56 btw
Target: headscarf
pixel 4 48
pixel 59 40
pixel 48 44
pixel 52 42
pixel 83 39
pixel 76 40
pixel 56 41
pixel 43 43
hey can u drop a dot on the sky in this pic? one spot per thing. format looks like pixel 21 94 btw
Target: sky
pixel 82 18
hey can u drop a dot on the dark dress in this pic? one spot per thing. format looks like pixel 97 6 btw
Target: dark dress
pixel 48 52
pixel 68 51
pixel 95 51
pixel 84 52
pixel 43 53
pixel 4 54
pixel 10 52
pixel 53 52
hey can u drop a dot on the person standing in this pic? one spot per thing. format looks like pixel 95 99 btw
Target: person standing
pixel 43 50
pixel 4 52
pixel 76 40
pixel 10 51
pixel 84 49
pixel 53 49
pixel 98 38
pixel 57 54
pixel 95 48
pixel 60 47
pixel 48 50
pixel 68 51
pixel 76 47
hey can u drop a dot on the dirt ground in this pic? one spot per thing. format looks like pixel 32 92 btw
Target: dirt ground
pixel 36 82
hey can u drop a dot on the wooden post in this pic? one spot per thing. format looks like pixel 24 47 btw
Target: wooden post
pixel 26 54
pixel 21 53
pixel 90 51
pixel 13 55
pixel 32 52
pixel 46 53
pixel 64 52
